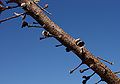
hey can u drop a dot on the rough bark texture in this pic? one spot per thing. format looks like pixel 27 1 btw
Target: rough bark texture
pixel 89 59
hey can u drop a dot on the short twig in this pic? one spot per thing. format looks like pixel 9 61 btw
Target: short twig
pixel 35 26
pixel 43 9
pixel 71 71
pixel 105 61
pixel 118 72
pixel 58 45
pixel 35 23
pixel 98 81
pixel 9 18
pixel 11 7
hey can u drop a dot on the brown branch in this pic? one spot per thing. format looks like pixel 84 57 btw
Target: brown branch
pixel 90 60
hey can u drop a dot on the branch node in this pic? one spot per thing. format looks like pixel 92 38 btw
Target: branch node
pixel 83 70
pixel 81 44
pixel 46 34
pixel 23 5
pixel 68 49
pixel 24 24
pixel 45 6
pixel 86 78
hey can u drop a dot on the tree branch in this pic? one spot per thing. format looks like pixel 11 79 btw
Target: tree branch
pixel 89 59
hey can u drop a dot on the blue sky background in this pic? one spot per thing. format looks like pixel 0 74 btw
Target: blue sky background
pixel 24 59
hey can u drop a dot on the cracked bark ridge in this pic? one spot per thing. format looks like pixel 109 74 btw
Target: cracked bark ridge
pixel 89 59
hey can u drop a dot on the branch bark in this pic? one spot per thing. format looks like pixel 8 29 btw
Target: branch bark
pixel 88 58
